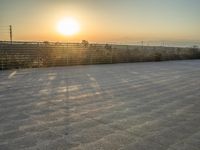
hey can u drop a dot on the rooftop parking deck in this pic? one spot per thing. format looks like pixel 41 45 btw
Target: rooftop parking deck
pixel 138 106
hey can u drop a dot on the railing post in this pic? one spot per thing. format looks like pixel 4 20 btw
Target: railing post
pixel 67 55
pixel 91 58
pixel 38 61
pixel 111 55
pixel 2 64
pixel 38 56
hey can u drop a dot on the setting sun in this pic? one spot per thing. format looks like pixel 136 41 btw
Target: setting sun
pixel 68 26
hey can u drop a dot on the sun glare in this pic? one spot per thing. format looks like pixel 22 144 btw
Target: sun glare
pixel 68 26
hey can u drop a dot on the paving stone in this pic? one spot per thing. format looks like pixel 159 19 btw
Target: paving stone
pixel 136 106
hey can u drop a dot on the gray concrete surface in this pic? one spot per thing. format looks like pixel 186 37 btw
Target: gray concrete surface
pixel 139 106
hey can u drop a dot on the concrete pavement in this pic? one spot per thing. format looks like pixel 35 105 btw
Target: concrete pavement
pixel 138 106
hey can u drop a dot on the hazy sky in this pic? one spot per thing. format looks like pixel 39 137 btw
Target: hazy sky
pixel 103 20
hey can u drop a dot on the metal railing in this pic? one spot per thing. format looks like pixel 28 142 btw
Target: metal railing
pixel 46 54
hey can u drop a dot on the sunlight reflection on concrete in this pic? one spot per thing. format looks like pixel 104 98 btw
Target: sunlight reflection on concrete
pixel 12 74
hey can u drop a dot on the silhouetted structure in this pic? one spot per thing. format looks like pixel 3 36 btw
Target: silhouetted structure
pixel 11 33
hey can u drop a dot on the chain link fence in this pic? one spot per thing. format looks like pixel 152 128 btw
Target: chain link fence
pixel 46 54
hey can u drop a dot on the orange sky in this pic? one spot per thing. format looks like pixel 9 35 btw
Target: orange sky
pixel 101 20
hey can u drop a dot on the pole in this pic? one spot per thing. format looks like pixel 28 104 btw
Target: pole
pixel 1 63
pixel 111 55
pixel 10 27
pixel 67 54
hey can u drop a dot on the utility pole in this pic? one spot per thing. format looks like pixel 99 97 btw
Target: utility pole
pixel 10 27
